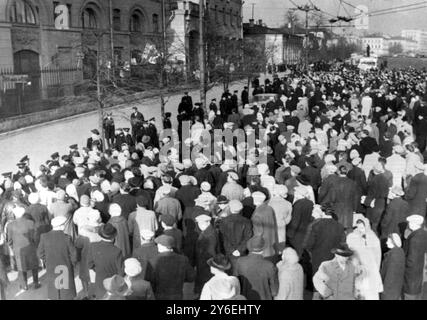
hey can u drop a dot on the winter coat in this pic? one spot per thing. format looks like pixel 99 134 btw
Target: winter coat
pixel 392 274
pixel 323 236
pixel 415 247
pixel 122 238
pixel 107 260
pixel 235 231
pixel 297 228
pixel 57 251
pixel 283 212
pixel 291 281
pixel 334 283
pixel 206 248
pixel 416 194
pixel 394 219
pixel 368 252
pixel 264 224
pixel 21 235
pixel 258 277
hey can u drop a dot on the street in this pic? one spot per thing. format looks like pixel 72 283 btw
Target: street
pixel 40 141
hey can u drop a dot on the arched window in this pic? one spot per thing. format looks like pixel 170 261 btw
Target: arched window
pixel 89 19
pixel 156 26
pixel 137 21
pixel 21 12
pixel 116 20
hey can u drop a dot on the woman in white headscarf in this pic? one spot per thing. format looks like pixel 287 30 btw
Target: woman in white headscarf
pixel 291 277
pixel 367 248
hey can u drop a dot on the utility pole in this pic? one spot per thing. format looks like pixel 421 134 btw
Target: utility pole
pixel 202 59
pixel 307 8
pixel 253 10
pixel 111 38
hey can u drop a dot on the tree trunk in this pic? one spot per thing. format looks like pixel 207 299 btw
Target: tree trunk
pixel 99 97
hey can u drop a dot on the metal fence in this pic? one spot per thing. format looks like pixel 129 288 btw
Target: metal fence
pixel 35 91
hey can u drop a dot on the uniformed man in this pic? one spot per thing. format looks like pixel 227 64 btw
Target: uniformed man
pixel 109 128
pixel 136 120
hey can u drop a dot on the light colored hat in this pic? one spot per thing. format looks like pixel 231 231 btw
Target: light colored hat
pixel 329 158
pixel 58 221
pixel 18 212
pixel 233 176
pixel 98 196
pixel 258 197
pixel 416 219
pixel 184 180
pixel 203 218
pixel 354 154
pixel 398 149
pixel 132 267
pixel 235 206
pixel 378 168
pixel 115 210
pixel 356 161
pixel 146 234
pixel 395 238
pixel 280 190
pixel 397 190
pixel 33 198
pixel 205 186
pixel 263 169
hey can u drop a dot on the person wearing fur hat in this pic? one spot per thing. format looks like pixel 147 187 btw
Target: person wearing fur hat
pixel 105 258
pixel 393 269
pixel 57 251
pixel 139 289
pixel 21 236
pixel 258 276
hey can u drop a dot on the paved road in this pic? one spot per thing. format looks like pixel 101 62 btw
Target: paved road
pixel 41 141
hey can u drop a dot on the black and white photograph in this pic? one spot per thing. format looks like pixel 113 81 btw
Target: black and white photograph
pixel 231 151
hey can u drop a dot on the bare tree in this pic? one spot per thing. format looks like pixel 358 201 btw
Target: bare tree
pixel 292 20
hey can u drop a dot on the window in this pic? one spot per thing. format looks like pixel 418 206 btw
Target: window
pixel 21 12
pixel 89 19
pixel 155 23
pixel 137 21
pixel 116 20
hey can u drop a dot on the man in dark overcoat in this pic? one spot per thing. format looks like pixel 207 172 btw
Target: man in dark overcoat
pixel 415 247
pixel 258 276
pixel 58 253
pixel 206 248
pixel 416 194
pixel 21 236
pixel 105 258
pixel 396 212
pixel 169 271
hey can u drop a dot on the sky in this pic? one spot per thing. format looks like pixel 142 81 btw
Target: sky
pixel 272 12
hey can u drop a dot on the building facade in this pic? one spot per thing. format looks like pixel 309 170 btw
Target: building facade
pixel 408 45
pixel 274 45
pixel 419 36
pixel 379 45
pixel 223 31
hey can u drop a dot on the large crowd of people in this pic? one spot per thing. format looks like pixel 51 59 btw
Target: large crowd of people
pixel 336 210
